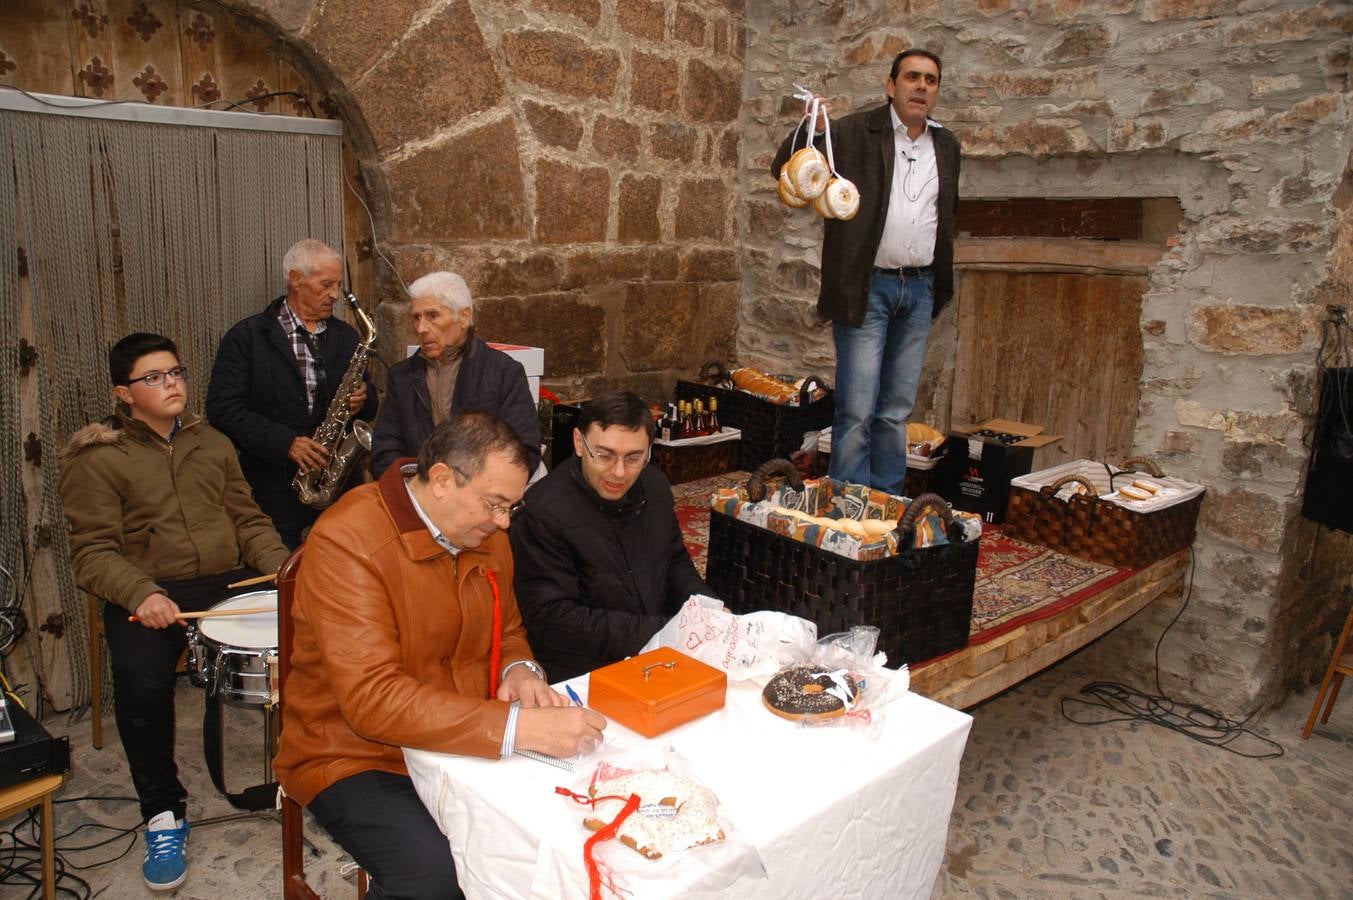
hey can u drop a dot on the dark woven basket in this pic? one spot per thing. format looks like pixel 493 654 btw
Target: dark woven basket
pixel 769 430
pixel 695 462
pixel 920 600
pixel 1101 530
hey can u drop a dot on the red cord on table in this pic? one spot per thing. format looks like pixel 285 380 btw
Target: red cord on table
pixel 606 833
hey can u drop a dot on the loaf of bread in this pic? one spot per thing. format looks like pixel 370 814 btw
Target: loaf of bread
pixel 762 385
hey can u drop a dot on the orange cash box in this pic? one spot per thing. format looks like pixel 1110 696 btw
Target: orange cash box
pixel 656 691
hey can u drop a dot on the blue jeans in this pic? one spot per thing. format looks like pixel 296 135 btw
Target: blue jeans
pixel 878 370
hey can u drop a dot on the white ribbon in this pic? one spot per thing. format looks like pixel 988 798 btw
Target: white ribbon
pixel 840 688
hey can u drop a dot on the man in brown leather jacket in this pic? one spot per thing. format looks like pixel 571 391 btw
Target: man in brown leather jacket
pixel 408 635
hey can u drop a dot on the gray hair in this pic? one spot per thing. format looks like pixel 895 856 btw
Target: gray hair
pixel 448 288
pixel 306 256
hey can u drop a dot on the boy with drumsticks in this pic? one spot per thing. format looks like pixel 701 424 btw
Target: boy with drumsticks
pixel 161 520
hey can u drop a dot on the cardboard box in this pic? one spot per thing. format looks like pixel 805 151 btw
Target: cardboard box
pixel 656 691
pixel 980 460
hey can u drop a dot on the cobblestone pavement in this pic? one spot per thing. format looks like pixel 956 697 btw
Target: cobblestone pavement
pixel 1048 808
pixel 1045 808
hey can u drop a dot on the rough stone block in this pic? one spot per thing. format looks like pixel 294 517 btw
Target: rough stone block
pixel 640 197
pixel 702 209
pixel 562 63
pixel 1292 25
pixel 1247 518
pixel 1036 138
pixel 1158 10
pixel 728 147
pixel 765 219
pixel 712 95
pixel 1268 85
pixel 1302 116
pixel 467 188
pixel 349 40
pixel 719 321
pixel 500 274
pixel 654 82
pixel 1179 443
pixel 572 204
pixel 1255 330
pixel 1056 12
pixel 592 268
pixel 1261 236
pixel 1077 43
pixel 615 138
pixel 673 141
pixel 878 46
pixel 1260 459
pixel 552 126
pixel 1081 83
pixel 1186 93
pixel 641 18
pixel 689 26
pixel 1138 134
pixel 572 331
pixel 659 320
pixel 709 265
pixel 588 11
pixel 412 92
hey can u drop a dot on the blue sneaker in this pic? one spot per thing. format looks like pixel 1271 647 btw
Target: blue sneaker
pixel 166 862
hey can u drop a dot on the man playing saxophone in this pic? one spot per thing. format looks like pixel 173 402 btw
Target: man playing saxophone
pixel 276 375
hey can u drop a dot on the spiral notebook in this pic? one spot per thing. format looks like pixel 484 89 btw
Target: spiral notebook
pixel 568 765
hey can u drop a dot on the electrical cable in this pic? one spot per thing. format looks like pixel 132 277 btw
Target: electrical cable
pixel 1191 720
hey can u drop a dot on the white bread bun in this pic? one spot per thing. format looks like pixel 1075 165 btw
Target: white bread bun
pixel 1146 486
pixel 1132 493
pixel 840 200
pixel 787 195
pixel 808 172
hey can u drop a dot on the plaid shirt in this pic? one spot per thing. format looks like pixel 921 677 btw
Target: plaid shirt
pixel 312 366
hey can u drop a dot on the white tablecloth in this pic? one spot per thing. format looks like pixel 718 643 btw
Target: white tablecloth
pixel 832 813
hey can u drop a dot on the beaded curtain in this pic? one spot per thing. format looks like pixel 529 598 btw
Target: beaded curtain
pixel 122 226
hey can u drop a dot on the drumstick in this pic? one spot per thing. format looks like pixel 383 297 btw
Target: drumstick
pixel 261 579
pixel 213 613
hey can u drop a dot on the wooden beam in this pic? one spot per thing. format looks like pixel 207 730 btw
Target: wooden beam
pixel 982 671
pixel 1058 255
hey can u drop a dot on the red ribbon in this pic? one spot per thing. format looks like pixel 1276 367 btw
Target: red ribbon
pixel 606 833
pixel 496 653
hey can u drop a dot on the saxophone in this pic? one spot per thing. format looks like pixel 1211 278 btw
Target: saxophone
pixel 320 487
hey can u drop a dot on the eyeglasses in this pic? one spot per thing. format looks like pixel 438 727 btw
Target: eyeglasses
pixel 495 509
pixel 155 379
pixel 634 460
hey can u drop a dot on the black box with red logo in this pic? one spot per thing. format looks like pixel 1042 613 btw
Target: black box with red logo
pixel 979 461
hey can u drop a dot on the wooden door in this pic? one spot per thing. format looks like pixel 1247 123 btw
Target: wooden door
pixel 1061 350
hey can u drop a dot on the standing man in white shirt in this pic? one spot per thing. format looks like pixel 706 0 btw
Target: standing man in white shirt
pixel 887 272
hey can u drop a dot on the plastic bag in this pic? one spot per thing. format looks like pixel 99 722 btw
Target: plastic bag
pixel 744 646
pixel 852 680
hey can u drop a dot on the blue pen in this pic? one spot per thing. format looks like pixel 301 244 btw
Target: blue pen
pixel 573 695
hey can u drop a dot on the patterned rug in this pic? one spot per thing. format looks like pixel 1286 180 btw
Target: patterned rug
pixel 1017 582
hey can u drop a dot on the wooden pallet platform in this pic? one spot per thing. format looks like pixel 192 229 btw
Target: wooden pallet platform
pixel 966 677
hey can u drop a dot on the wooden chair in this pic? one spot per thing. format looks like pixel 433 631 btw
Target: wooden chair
pixel 294 886
pixel 1341 664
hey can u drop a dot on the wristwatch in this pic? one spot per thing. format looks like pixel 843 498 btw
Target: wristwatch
pixel 528 663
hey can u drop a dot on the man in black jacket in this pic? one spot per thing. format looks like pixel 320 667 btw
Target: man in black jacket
pixel 887 272
pixel 453 370
pixel 274 378
pixel 600 562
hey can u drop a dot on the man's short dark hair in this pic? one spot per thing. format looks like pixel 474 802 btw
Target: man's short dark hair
pixel 623 408
pixel 916 51
pixel 464 440
pixel 124 354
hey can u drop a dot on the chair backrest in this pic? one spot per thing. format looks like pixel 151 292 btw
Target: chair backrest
pixel 286 626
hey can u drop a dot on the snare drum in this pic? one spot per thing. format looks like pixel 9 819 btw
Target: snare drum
pixel 233 656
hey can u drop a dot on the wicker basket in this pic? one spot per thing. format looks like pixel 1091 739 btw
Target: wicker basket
pixel 769 430
pixel 920 599
pixel 1088 526
pixel 681 461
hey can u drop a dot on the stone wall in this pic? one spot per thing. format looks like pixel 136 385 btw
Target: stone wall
pixel 1240 110
pixel 575 160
